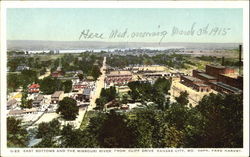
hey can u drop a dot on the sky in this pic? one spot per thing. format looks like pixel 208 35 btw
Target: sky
pixel 221 25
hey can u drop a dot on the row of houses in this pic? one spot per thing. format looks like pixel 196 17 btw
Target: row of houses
pixel 123 77
pixel 118 78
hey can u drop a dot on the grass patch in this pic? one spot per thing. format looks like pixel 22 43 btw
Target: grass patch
pixel 88 115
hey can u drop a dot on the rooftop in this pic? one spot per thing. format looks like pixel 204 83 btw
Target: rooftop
pixel 34 86
pixel 11 102
pixel 86 91
pixel 56 94
pixel 232 75
pixel 13 112
pixel 228 87
pixel 207 76
pixel 30 110
pixel 201 85
pixel 18 95
pixel 124 72
pixel 191 78
pixel 200 71
pixel 217 66
pixel 157 73
pixel 39 98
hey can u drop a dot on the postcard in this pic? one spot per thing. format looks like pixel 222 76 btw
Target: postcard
pixel 124 79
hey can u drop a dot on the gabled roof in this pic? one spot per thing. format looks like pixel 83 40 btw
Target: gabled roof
pixel 34 86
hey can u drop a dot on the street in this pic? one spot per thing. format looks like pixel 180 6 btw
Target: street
pixel 99 86
pixel 94 95
pixel 47 73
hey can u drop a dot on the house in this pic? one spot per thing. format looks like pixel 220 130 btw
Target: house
pixel 30 111
pixel 56 97
pixel 22 67
pixel 17 113
pixel 17 96
pixel 39 100
pixel 124 107
pixel 57 73
pixel 11 104
pixel 111 105
pixel 135 105
pixel 34 88
pixel 79 72
pixel 78 85
pixel 86 94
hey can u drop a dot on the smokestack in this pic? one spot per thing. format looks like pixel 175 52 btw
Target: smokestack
pixel 240 51
pixel 223 61
pixel 240 62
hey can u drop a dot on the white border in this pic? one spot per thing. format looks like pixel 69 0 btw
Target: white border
pixel 128 4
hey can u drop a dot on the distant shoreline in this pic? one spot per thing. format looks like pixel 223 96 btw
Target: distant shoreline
pixel 74 45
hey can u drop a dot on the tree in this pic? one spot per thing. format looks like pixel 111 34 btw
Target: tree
pixel 222 117
pixel 67 135
pixel 148 127
pixel 114 132
pixel 48 133
pixel 47 142
pixel 177 115
pixel 179 120
pixel 17 136
pixel 13 82
pixel 43 71
pixel 109 93
pixel 68 108
pixel 173 137
pixel 82 138
pixel 106 96
pixel 24 102
pixel 29 103
pixel 183 98
pixel 48 129
pixel 124 98
pixel 163 85
pixel 49 85
pixel 80 76
pixel 145 92
pixel 95 72
pixel 67 85
pixel 100 102
pixel 27 77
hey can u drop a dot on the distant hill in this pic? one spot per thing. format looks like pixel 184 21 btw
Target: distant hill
pixel 52 45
